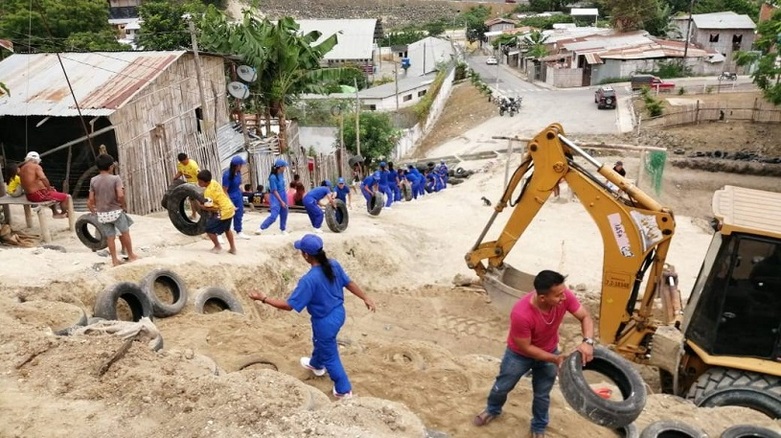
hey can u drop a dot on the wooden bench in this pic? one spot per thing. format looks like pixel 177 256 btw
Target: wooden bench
pixel 42 211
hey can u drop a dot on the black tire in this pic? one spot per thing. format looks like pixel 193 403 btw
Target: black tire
pixel 337 218
pixel 608 413
pixel 256 360
pixel 131 293
pixel 428 188
pixel 455 181
pixel 628 431
pixel 156 344
pixel 174 283
pixel 748 431
pixel 173 185
pixel 460 172
pixel 376 204
pixel 501 113
pixel 728 387
pixel 671 429
pixel 96 242
pixel 80 320
pixel 216 296
pixel 406 192
pixel 177 209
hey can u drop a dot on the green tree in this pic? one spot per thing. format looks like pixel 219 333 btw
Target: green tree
pixel 548 5
pixel 434 28
pixel 534 45
pixel 658 23
pixel 87 18
pixel 378 135
pixel 767 72
pixel 475 18
pixel 629 15
pixel 94 42
pixel 404 37
pixel 163 27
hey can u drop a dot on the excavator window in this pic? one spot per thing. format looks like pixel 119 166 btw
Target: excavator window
pixel 739 312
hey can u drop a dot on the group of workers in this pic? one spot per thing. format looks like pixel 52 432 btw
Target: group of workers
pixel 389 182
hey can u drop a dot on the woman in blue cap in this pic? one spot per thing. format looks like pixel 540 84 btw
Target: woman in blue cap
pixel 321 292
pixel 385 184
pixel 231 184
pixel 277 197
pixel 312 204
pixel 343 192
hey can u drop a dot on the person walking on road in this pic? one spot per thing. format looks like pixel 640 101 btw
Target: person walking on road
pixel 321 292
pixel 532 344
pixel 277 201
pixel 231 183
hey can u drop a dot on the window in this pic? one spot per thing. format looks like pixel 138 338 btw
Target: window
pixel 372 107
pixel 198 118
pixel 407 98
pixel 421 93
pixel 737 41
pixel 714 38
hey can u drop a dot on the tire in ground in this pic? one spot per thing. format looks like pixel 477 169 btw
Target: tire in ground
pixel 671 429
pixel 583 399
pixel 170 281
pixel 337 218
pixel 173 185
pixel 209 298
pixel 107 300
pixel 83 224
pixel 749 431
pixel 376 203
pixel 178 205
pixel 728 387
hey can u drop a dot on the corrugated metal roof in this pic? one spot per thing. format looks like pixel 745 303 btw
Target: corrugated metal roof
pixel 723 20
pixel 748 209
pixel 101 81
pixel 436 50
pixel 593 58
pixel 356 37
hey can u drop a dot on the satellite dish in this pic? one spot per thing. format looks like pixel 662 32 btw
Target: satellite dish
pixel 247 73
pixel 239 90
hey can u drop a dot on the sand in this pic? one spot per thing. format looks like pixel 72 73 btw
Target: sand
pixel 424 361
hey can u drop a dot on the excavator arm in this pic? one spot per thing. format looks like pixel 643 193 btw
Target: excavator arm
pixel 635 229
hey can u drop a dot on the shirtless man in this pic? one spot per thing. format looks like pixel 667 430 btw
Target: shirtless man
pixel 37 187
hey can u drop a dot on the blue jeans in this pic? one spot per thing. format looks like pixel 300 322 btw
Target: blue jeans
pixel 514 366
pixel 326 352
pixel 276 210
pixel 238 217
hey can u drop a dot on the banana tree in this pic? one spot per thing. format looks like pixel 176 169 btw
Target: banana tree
pixel 534 44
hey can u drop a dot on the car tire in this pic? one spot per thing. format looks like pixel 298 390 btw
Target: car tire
pixel 337 218
pixel 177 209
pixel 628 431
pixel 607 413
pixel 173 185
pixel 131 293
pixel 218 296
pixel 406 192
pixel 749 431
pixel 671 428
pixel 96 242
pixel 376 203
pixel 169 279
pixel 728 387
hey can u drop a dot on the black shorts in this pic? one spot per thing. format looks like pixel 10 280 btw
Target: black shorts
pixel 218 226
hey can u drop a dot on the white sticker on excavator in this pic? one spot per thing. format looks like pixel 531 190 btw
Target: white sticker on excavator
pixel 619 232
pixel 648 228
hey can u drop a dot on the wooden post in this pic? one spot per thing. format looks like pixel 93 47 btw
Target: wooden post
pixel 28 216
pixel 71 214
pixel 43 222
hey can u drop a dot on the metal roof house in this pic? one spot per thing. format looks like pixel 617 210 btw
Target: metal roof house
pixel 356 38
pixel 143 106
pixel 726 32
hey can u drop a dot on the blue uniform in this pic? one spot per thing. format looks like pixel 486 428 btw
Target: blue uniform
pixel 443 173
pixel 367 187
pixel 385 187
pixel 413 182
pixel 421 181
pixel 393 185
pixel 310 201
pixel 341 193
pixel 276 183
pixel 237 198
pixel 324 300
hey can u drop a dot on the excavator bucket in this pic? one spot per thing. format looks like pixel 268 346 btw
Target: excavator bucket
pixel 506 285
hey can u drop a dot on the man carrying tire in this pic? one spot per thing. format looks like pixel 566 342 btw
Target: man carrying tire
pixel 532 344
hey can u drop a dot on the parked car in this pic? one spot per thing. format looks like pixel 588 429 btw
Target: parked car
pixel 491 61
pixel 605 97
pixel 652 82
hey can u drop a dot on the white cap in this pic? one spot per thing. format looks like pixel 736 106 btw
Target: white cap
pixel 33 156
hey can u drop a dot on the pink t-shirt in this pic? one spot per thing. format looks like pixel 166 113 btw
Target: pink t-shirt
pixel 527 321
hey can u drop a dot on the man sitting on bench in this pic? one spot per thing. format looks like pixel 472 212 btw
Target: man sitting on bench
pixel 37 187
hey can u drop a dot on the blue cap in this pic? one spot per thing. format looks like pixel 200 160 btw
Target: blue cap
pixel 238 159
pixel 340 180
pixel 327 183
pixel 383 164
pixel 309 244
pixel 376 175
pixel 280 163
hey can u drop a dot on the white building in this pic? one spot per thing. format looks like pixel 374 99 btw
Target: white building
pixel 356 39
pixel 426 54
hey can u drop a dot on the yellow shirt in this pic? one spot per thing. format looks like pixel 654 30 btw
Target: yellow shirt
pixel 189 170
pixel 15 182
pixel 220 199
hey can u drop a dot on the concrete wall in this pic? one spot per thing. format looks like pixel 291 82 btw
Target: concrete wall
pixel 389 103
pixel 321 138
pixel 564 77
pixel 724 44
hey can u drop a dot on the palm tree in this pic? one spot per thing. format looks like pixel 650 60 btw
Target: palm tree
pixel 534 45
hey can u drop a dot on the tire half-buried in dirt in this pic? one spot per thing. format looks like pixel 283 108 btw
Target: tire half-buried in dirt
pixel 131 293
pixel 337 217
pixel 727 387
pixel 83 225
pixel 210 297
pixel 173 185
pixel 673 429
pixel 748 431
pixel 178 205
pixel 586 402
pixel 376 203
pixel 170 281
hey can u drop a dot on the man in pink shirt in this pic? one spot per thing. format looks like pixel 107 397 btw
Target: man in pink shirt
pixel 532 344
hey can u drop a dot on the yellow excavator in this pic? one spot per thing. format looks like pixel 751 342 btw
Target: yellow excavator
pixel 724 346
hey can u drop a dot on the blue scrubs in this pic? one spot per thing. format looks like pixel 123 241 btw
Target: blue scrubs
pixel 310 201
pixel 236 196
pixel 324 300
pixel 443 172
pixel 368 184
pixel 385 187
pixel 393 185
pixel 276 183
pixel 341 193
pixel 421 181
pixel 413 182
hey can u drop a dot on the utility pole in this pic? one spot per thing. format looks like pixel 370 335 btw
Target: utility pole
pixel 357 120
pixel 198 71
pixel 396 74
pixel 688 32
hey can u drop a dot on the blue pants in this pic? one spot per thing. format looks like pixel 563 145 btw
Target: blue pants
pixel 388 195
pixel 421 185
pixel 238 217
pixel 314 212
pixel 514 366
pixel 368 198
pixel 326 353
pixel 396 193
pixel 275 210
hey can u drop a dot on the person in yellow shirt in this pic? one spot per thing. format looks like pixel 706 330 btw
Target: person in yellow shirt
pixel 13 181
pixel 217 202
pixel 188 168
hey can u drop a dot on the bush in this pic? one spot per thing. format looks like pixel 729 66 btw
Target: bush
pixel 654 108
pixel 613 80
pixel 423 107
pixel 669 69
pixel 461 71
pixel 681 91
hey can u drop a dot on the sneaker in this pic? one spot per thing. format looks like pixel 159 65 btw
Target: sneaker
pixel 284 233
pixel 317 372
pixel 318 231
pixel 242 236
pixel 258 232
pixel 346 396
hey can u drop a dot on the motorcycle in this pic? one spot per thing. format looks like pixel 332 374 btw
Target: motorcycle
pixel 510 105
pixel 728 76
